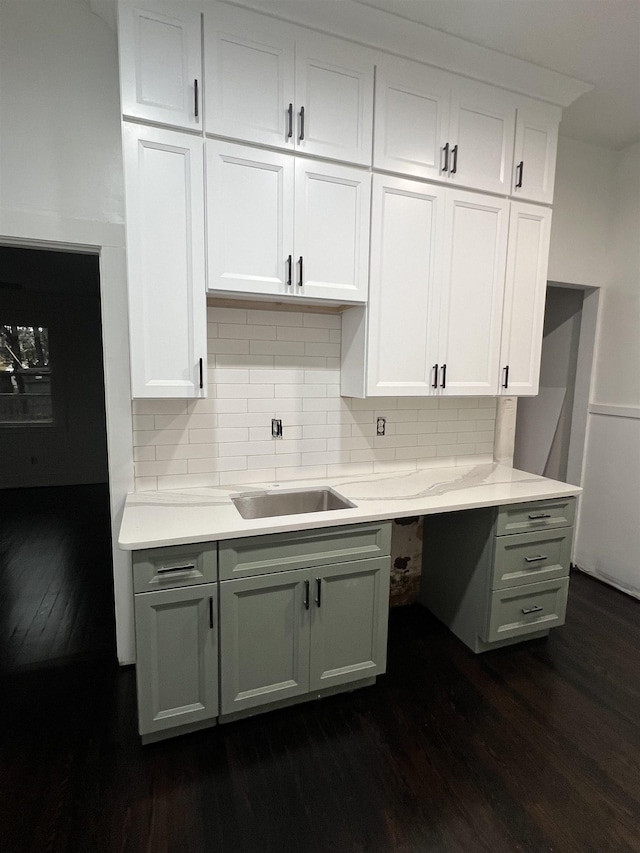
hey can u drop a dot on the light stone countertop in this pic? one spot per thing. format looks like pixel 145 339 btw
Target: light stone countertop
pixel 154 519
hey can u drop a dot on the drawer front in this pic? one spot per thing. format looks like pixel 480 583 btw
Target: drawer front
pixel 179 565
pixel 277 552
pixel 522 610
pixel 539 515
pixel 531 557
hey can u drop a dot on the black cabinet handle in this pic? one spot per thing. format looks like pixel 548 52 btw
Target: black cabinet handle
pixel 527 610
pixel 301 124
pixel 196 105
pixel 301 279
pixel 445 167
pixel 318 591
pixel 444 376
pixel 505 377
pixel 539 515
pixel 201 371
pixel 536 559
pixel 290 120
pixel 211 611
pixel 306 595
pixel 519 173
pixel 435 376
pixel 454 158
pixel 289 270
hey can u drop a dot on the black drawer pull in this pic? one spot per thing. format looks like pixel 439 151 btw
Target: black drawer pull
pixel 435 381
pixel 210 611
pixel 445 151
pixel 165 570
pixel 538 515
pixel 536 559
pixel 527 610
pixel 319 591
pixel 306 595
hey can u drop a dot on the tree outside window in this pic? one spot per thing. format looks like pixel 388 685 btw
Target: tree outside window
pixel 25 375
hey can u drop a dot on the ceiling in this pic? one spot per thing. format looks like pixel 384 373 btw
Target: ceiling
pixel 597 41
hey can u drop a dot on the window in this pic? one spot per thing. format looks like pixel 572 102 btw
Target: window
pixel 25 375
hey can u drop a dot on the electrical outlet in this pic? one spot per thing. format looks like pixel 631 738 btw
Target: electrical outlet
pixel 381 426
pixel 276 428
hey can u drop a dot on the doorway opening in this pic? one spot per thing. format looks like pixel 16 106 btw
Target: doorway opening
pixel 551 427
pixel 56 568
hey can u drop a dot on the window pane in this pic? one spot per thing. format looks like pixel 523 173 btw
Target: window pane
pixel 25 375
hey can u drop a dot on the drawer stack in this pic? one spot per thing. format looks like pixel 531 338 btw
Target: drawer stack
pixel 498 575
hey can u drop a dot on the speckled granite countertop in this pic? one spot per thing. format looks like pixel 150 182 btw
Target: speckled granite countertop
pixel 153 519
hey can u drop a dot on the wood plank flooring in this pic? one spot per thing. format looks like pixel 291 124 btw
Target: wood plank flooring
pixel 56 577
pixel 534 748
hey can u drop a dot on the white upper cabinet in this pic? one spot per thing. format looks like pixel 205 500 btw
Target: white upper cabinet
pixel 161 62
pixel 534 162
pixel 525 291
pixel 284 226
pixel 412 118
pixel 433 321
pixel 471 293
pixel 334 99
pixel 406 261
pixel 163 172
pixel 275 84
pixel 436 125
pixel 249 66
pixel 331 235
pixel 481 137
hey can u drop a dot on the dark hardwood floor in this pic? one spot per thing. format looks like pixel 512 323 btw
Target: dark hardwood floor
pixel 56 577
pixel 533 748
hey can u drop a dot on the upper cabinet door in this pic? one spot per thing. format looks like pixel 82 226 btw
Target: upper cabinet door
pixel 412 119
pixel 249 219
pixel 163 172
pixel 472 293
pixel 161 62
pixel 525 291
pixel 250 77
pixel 334 98
pixel 481 137
pixel 534 162
pixel 407 220
pixel 331 231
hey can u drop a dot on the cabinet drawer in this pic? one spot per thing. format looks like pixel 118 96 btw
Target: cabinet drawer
pixel 531 557
pixel 179 565
pixel 539 515
pixel 522 610
pixel 259 555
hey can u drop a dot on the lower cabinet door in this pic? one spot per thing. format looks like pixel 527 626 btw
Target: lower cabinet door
pixel 350 608
pixel 177 656
pixel 264 639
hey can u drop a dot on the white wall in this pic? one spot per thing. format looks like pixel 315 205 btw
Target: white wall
pixel 594 241
pixel 61 186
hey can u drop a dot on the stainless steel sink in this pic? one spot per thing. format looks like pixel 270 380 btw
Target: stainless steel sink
pixel 266 504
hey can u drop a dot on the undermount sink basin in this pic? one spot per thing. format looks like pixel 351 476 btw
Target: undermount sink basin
pixel 267 504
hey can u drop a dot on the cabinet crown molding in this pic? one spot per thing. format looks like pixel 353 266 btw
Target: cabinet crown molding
pixel 352 20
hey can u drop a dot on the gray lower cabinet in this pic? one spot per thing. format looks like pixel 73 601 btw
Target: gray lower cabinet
pixel 302 631
pixel 498 575
pixel 176 646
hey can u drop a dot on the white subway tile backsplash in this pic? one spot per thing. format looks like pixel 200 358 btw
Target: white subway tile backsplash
pixel 267 364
